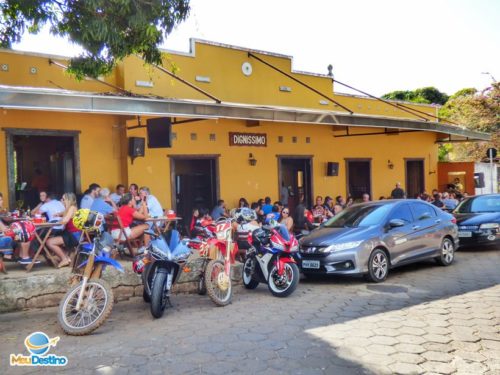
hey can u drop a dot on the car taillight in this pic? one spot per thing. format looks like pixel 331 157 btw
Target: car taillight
pixel 454 220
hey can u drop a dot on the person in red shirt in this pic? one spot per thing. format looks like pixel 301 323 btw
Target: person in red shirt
pixel 128 214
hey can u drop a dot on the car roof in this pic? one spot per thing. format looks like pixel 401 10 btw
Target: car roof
pixel 389 202
pixel 494 195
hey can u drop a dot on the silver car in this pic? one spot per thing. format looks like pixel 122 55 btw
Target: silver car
pixel 370 238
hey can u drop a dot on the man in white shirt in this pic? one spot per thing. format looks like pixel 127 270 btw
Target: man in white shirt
pixel 90 194
pixel 116 197
pixel 53 208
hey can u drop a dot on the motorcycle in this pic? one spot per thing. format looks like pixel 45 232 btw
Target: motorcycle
pixel 270 260
pixel 88 303
pixel 160 267
pixel 218 270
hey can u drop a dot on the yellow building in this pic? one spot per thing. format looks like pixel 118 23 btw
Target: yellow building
pixel 243 124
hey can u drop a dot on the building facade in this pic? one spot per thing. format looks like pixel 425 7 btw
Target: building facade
pixel 243 123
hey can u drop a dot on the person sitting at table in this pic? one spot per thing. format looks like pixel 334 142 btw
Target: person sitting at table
pixel 43 199
pixel 7 242
pixel 127 213
pixel 52 208
pixel 154 207
pixel 318 210
pixel 300 218
pixel 103 203
pixel 67 237
pixel 118 194
pixel 89 195
pixel 286 219
pixel 328 206
pixel 134 190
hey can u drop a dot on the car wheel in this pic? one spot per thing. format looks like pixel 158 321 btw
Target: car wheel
pixel 447 253
pixel 378 266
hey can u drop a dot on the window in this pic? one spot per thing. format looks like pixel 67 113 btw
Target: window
pixel 487 203
pixel 423 211
pixel 359 216
pixel 402 212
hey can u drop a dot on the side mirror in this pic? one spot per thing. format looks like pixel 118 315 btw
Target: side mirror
pixel 394 223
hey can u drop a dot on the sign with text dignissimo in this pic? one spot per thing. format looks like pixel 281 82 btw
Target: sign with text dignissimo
pixel 248 139
pixel 38 345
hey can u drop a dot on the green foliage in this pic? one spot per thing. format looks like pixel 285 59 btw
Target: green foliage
pixel 479 111
pixel 428 95
pixel 464 92
pixel 444 151
pixel 108 30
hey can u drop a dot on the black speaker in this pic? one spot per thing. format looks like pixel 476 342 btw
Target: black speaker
pixel 332 169
pixel 479 180
pixel 159 132
pixel 136 146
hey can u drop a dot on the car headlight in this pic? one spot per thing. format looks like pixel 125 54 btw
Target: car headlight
pixel 341 246
pixel 489 226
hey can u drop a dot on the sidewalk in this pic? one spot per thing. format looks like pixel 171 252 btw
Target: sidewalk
pixel 45 285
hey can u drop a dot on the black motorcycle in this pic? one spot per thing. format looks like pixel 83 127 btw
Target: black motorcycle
pixel 160 267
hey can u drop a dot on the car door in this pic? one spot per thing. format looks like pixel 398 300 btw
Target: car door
pixel 426 226
pixel 399 240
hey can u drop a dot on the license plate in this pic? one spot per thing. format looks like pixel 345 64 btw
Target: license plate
pixel 464 234
pixel 310 264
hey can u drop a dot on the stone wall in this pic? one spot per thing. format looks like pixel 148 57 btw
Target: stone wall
pixel 44 289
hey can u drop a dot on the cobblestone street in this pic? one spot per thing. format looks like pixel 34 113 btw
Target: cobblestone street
pixel 423 319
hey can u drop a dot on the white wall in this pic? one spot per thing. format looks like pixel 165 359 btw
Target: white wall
pixel 488 171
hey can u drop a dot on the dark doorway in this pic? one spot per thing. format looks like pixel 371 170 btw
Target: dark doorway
pixel 195 185
pixel 359 179
pixel 295 174
pixel 415 183
pixel 42 163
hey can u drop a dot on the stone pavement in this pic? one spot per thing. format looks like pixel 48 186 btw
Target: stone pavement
pixel 423 319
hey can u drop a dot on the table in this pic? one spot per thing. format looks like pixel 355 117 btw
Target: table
pixel 42 246
pixel 156 220
pixel 10 219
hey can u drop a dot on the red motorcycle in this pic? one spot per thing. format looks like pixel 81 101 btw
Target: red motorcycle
pixel 215 246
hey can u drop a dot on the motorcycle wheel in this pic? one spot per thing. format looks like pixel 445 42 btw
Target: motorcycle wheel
pixel 202 289
pixel 146 297
pixel 219 296
pixel 248 280
pixel 96 306
pixel 285 285
pixel 158 295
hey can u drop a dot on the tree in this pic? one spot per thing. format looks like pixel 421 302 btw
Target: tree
pixel 479 111
pixel 107 30
pixel 428 95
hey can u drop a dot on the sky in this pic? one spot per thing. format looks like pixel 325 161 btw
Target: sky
pixel 376 46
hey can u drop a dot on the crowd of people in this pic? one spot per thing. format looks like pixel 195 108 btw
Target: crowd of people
pixel 304 217
pixel 132 208
pixel 138 204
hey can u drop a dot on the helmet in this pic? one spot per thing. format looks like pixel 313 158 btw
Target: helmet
pixel 138 264
pixel 24 231
pixel 248 214
pixel 260 236
pixel 309 216
pixel 244 215
pixel 85 219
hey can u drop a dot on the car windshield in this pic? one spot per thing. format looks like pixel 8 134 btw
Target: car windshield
pixel 359 216
pixel 487 203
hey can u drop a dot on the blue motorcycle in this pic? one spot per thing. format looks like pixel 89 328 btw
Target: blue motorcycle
pixel 160 268
pixel 89 301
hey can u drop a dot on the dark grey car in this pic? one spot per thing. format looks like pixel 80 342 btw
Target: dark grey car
pixel 370 238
